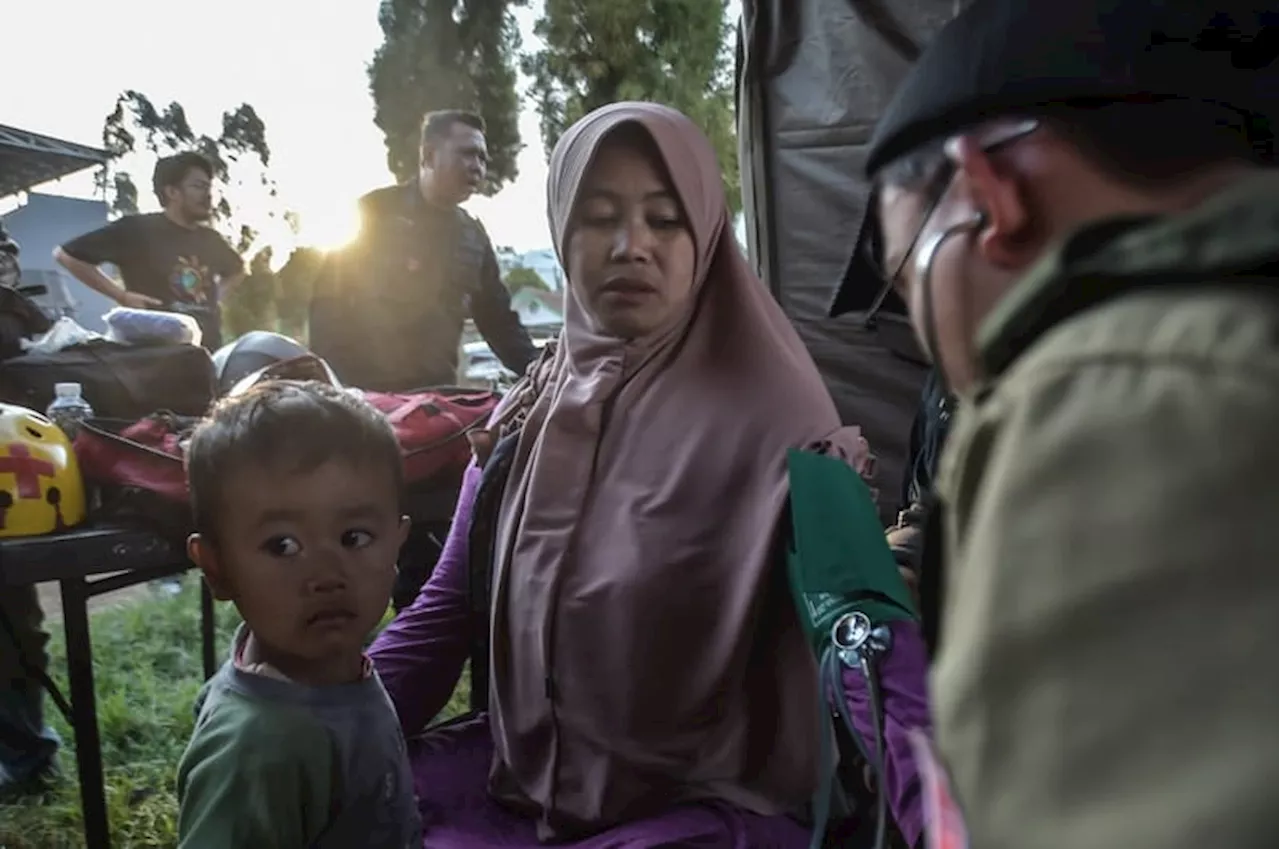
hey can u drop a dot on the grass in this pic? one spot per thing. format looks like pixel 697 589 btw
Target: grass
pixel 147 671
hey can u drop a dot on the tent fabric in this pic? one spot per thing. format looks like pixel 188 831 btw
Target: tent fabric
pixel 815 76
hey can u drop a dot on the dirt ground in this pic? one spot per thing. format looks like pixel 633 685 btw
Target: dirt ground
pixel 51 599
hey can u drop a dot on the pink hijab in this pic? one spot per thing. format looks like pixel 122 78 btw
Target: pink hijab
pixel 646 650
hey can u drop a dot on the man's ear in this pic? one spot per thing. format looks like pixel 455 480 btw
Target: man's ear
pixel 203 553
pixel 427 157
pixel 1005 238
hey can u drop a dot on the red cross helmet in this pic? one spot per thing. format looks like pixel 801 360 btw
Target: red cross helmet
pixel 41 490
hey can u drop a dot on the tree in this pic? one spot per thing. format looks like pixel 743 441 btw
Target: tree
pixel 447 54
pixel 675 52
pixel 239 156
pixel 521 277
pixel 252 304
pixel 294 284
pixel 242 137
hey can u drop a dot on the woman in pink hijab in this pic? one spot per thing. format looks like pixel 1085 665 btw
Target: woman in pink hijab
pixel 645 676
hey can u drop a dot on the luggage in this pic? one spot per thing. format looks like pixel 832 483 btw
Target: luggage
pixel 20 318
pixel 147 454
pixel 431 423
pixel 119 381
pixel 432 426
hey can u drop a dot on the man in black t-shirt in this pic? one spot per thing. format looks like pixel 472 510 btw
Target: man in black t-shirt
pixel 169 260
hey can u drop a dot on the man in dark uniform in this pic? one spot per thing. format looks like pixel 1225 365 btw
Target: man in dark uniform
pixel 170 260
pixel 388 312
pixel 1077 201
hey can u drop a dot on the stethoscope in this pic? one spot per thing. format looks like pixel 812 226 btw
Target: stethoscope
pixel 859 644
pixel 924 268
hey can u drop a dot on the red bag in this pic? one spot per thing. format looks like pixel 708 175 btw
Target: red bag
pixel 431 425
pixel 145 455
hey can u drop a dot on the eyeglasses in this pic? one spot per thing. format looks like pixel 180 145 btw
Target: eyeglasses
pixel 995 137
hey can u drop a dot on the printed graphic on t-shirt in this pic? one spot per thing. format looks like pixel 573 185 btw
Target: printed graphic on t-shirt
pixel 191 279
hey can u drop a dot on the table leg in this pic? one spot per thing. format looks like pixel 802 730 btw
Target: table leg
pixel 208 634
pixel 84 712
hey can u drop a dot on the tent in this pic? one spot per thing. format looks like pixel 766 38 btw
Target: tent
pixel 813 76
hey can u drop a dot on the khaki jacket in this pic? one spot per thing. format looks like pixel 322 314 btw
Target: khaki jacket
pixel 1105 678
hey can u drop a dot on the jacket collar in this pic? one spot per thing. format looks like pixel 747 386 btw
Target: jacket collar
pixel 1231 236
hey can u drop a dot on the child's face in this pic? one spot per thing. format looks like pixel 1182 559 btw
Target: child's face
pixel 309 559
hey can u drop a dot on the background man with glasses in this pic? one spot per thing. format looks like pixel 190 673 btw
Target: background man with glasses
pixel 1077 201
pixel 168 259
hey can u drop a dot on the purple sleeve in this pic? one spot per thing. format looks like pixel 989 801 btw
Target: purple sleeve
pixel 419 656
pixel 904 695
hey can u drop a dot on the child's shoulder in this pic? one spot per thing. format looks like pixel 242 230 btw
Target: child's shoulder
pixel 255 732
pixel 255 773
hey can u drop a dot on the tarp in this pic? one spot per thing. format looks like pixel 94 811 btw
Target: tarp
pixel 813 78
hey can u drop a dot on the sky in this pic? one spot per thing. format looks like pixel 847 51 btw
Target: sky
pixel 303 70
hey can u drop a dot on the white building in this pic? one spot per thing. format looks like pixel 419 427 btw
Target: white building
pixel 539 310
pixel 38 226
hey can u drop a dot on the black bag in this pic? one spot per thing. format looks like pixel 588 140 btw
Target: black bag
pixel 20 319
pixel 119 381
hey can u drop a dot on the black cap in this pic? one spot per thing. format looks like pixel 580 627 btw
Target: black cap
pixel 1003 57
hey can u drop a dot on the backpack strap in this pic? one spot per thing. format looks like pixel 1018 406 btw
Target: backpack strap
pixel 481 545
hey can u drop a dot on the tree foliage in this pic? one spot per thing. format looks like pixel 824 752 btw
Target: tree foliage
pixel 294 285
pixel 522 277
pixel 252 304
pixel 242 138
pixel 447 54
pixel 670 51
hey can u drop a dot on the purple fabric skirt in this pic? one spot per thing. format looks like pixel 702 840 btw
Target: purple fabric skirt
pixel 451 774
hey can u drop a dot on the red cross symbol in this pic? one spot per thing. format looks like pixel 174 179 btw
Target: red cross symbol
pixel 26 470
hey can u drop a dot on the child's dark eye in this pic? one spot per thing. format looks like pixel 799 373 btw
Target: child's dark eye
pixel 666 223
pixel 282 546
pixel 356 538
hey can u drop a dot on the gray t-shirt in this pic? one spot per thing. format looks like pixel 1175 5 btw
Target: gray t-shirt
pixel 275 764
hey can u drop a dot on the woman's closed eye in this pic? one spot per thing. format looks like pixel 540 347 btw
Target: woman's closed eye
pixel 666 222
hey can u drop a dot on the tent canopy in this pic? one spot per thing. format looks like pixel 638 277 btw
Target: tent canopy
pixel 28 159
pixel 813 78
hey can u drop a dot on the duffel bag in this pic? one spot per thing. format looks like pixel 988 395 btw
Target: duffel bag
pixel 20 318
pixel 119 381
pixel 137 469
pixel 431 424
pixel 147 454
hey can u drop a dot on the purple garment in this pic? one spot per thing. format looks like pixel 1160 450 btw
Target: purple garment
pixel 451 772
pixel 420 656
pixel 904 695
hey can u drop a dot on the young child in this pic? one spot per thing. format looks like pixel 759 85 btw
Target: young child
pixel 297 491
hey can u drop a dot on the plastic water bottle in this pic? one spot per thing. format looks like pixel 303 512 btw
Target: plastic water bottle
pixel 69 408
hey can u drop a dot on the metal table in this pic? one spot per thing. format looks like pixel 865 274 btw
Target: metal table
pixel 89 561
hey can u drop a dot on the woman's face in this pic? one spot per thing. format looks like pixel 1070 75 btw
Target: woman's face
pixel 631 253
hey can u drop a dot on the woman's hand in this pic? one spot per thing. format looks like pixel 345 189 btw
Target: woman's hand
pixel 482 442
